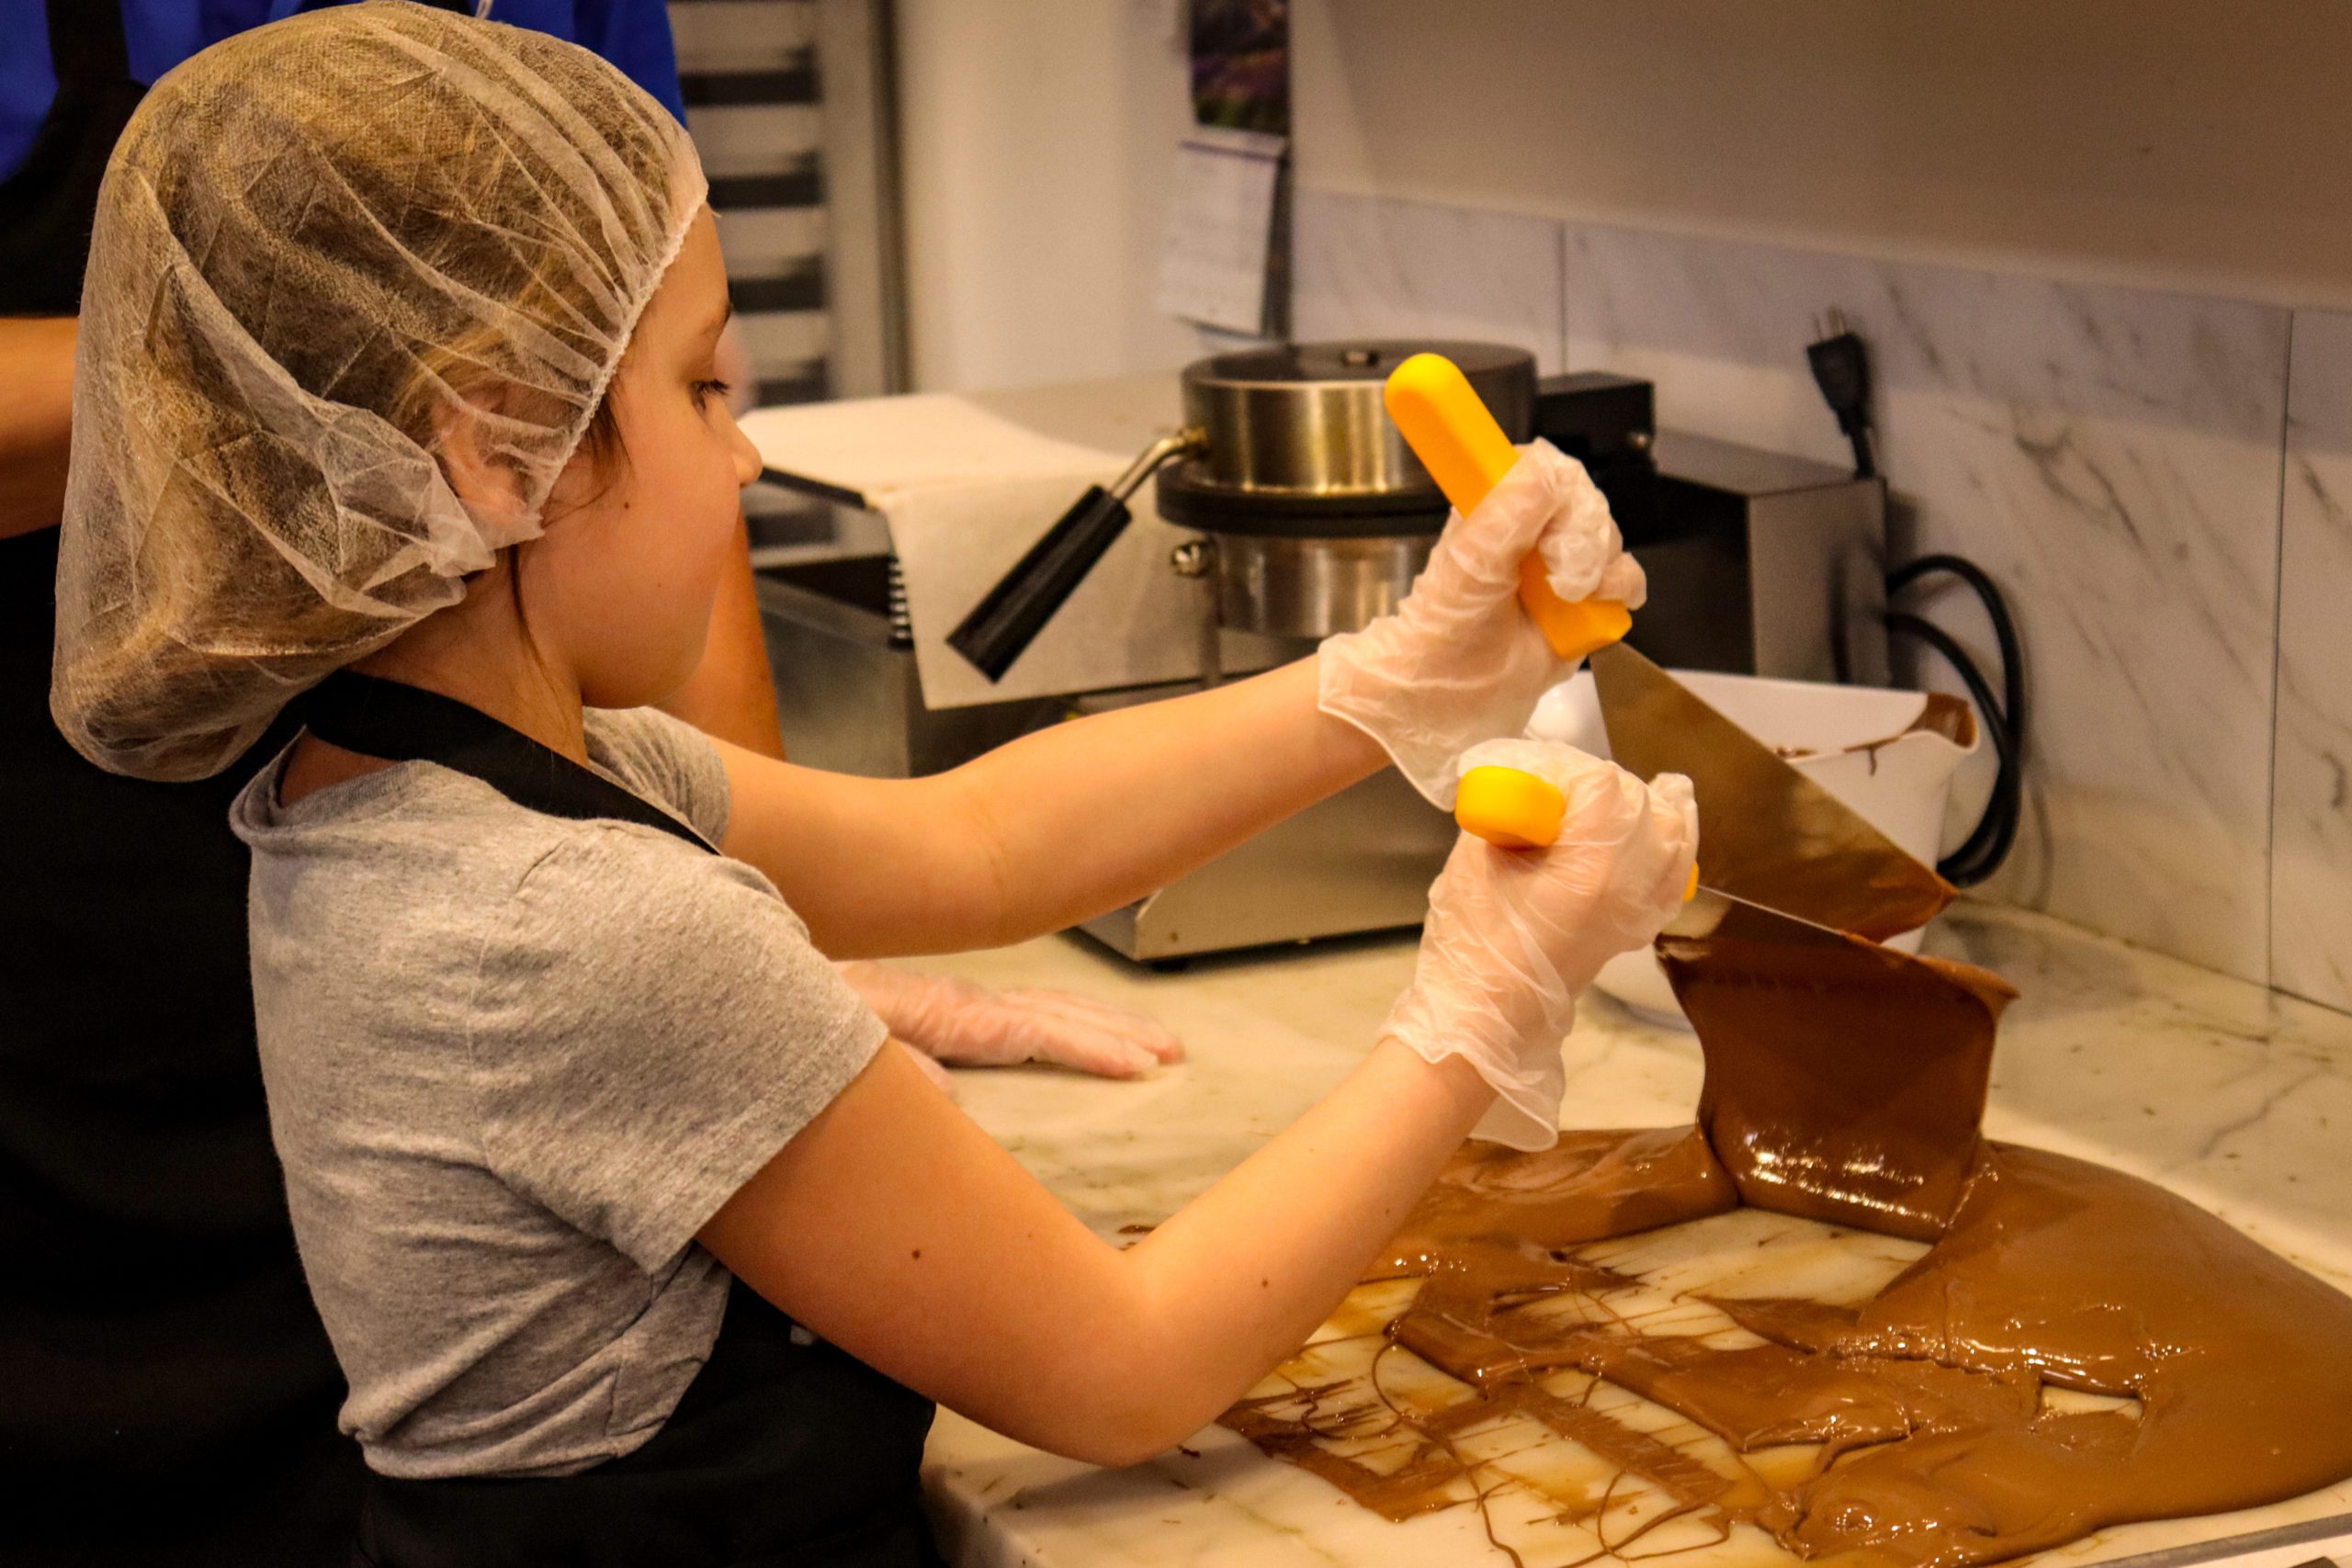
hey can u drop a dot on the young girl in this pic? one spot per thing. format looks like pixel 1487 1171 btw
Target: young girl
pixel 633 1243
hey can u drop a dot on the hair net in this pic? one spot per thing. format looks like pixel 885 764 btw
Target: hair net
pixel 319 245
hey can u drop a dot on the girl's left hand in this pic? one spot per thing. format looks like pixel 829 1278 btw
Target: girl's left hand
pixel 966 1025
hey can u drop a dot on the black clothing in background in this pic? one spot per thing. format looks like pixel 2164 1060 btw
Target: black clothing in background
pixel 167 1395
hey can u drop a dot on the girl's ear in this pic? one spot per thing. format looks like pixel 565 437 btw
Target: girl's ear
pixel 468 440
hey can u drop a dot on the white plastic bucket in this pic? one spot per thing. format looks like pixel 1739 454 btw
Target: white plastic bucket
pixel 1865 744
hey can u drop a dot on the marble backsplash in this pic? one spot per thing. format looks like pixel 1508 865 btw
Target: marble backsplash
pixel 2112 455
pixel 2311 824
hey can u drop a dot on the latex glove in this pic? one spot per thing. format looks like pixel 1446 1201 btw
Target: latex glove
pixel 1513 936
pixel 966 1025
pixel 1459 661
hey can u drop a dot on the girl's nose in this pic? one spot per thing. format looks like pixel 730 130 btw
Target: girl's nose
pixel 746 456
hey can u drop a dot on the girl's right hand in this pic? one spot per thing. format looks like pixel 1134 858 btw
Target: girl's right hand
pixel 1514 935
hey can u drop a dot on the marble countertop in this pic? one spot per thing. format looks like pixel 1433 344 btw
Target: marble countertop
pixel 2233 1096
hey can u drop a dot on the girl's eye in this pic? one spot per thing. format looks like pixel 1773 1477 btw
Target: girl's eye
pixel 705 390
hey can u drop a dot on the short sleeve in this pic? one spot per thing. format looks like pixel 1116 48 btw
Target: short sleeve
pixel 654 1026
pixel 666 759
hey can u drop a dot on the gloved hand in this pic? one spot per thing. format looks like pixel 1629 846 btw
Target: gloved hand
pixel 966 1025
pixel 1514 935
pixel 1459 661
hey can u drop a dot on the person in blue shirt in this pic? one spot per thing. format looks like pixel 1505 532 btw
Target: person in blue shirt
pixel 73 69
pixel 170 1397
pixel 159 34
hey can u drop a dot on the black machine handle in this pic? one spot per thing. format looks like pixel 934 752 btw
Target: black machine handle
pixel 1008 618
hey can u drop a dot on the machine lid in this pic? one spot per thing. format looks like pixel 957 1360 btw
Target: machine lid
pixel 1307 420
pixel 1353 359
pixel 1190 496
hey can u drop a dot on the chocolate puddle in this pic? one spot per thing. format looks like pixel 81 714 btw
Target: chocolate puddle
pixel 2072 1348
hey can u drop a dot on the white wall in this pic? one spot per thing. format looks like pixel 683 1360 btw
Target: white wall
pixel 2184 144
pixel 2180 144
pixel 1037 142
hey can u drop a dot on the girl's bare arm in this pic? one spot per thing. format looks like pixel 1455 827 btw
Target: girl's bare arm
pixel 36 420
pixel 894 1227
pixel 1053 828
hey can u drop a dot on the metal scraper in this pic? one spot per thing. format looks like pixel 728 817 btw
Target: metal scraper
pixel 1768 835
pixel 1710 912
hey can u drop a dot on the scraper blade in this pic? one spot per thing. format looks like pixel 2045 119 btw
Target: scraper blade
pixel 1711 912
pixel 1768 835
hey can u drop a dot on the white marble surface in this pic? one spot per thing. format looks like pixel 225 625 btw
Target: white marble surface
pixel 2110 455
pixel 2310 889
pixel 2221 1090
pixel 1363 266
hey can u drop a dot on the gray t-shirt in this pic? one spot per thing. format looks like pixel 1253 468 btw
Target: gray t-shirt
pixel 515 1062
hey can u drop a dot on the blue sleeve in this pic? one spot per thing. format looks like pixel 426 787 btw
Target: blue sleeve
pixel 634 36
pixel 27 84
pixel 156 36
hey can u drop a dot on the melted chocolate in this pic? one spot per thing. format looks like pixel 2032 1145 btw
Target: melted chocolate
pixel 1935 1417
pixel 1858 1080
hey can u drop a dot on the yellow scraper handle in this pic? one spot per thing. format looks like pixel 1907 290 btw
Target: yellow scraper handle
pixel 1456 438
pixel 1509 807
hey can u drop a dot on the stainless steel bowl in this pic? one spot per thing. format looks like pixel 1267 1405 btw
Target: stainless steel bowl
pixel 1318 514
pixel 1301 420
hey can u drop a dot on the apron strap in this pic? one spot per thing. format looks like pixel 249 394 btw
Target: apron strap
pixel 407 724
pixel 85 41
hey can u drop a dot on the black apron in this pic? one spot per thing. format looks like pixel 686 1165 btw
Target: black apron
pixel 166 1392
pixel 780 1452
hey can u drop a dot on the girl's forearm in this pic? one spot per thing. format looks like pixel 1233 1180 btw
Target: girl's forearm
pixel 1242 1274
pixel 36 366
pixel 1053 829
pixel 1087 816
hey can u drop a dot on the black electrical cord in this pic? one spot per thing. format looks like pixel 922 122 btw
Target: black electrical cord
pixel 1997 611
pixel 1840 362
